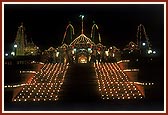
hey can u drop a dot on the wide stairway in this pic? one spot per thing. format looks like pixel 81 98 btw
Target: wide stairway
pixel 102 86
pixel 80 85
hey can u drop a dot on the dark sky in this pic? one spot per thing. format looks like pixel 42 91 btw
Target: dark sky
pixel 46 24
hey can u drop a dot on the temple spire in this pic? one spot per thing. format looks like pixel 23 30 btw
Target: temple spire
pixel 82 16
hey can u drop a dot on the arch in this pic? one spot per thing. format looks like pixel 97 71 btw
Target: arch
pixel 82 59
pixel 82 56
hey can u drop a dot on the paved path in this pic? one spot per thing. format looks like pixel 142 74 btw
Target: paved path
pixel 80 84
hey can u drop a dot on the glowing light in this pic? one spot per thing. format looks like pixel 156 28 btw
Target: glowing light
pixel 74 49
pixel 107 53
pixel 89 50
pixel 82 16
pixel 113 55
pixel 154 52
pixel 15 46
pixel 57 54
pixel 149 51
pixel 13 53
pixel 144 44
pixel 6 54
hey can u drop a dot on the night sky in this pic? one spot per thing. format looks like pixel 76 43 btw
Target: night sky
pixel 46 24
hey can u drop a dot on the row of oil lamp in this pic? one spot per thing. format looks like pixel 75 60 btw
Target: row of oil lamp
pixel 40 89
pixel 114 84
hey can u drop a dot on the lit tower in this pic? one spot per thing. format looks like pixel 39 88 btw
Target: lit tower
pixel 143 41
pixel 19 44
pixel 93 33
pixel 82 16
pixel 70 31
pixel 142 38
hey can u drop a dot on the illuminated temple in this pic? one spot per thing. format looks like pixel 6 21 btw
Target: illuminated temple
pixel 110 67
